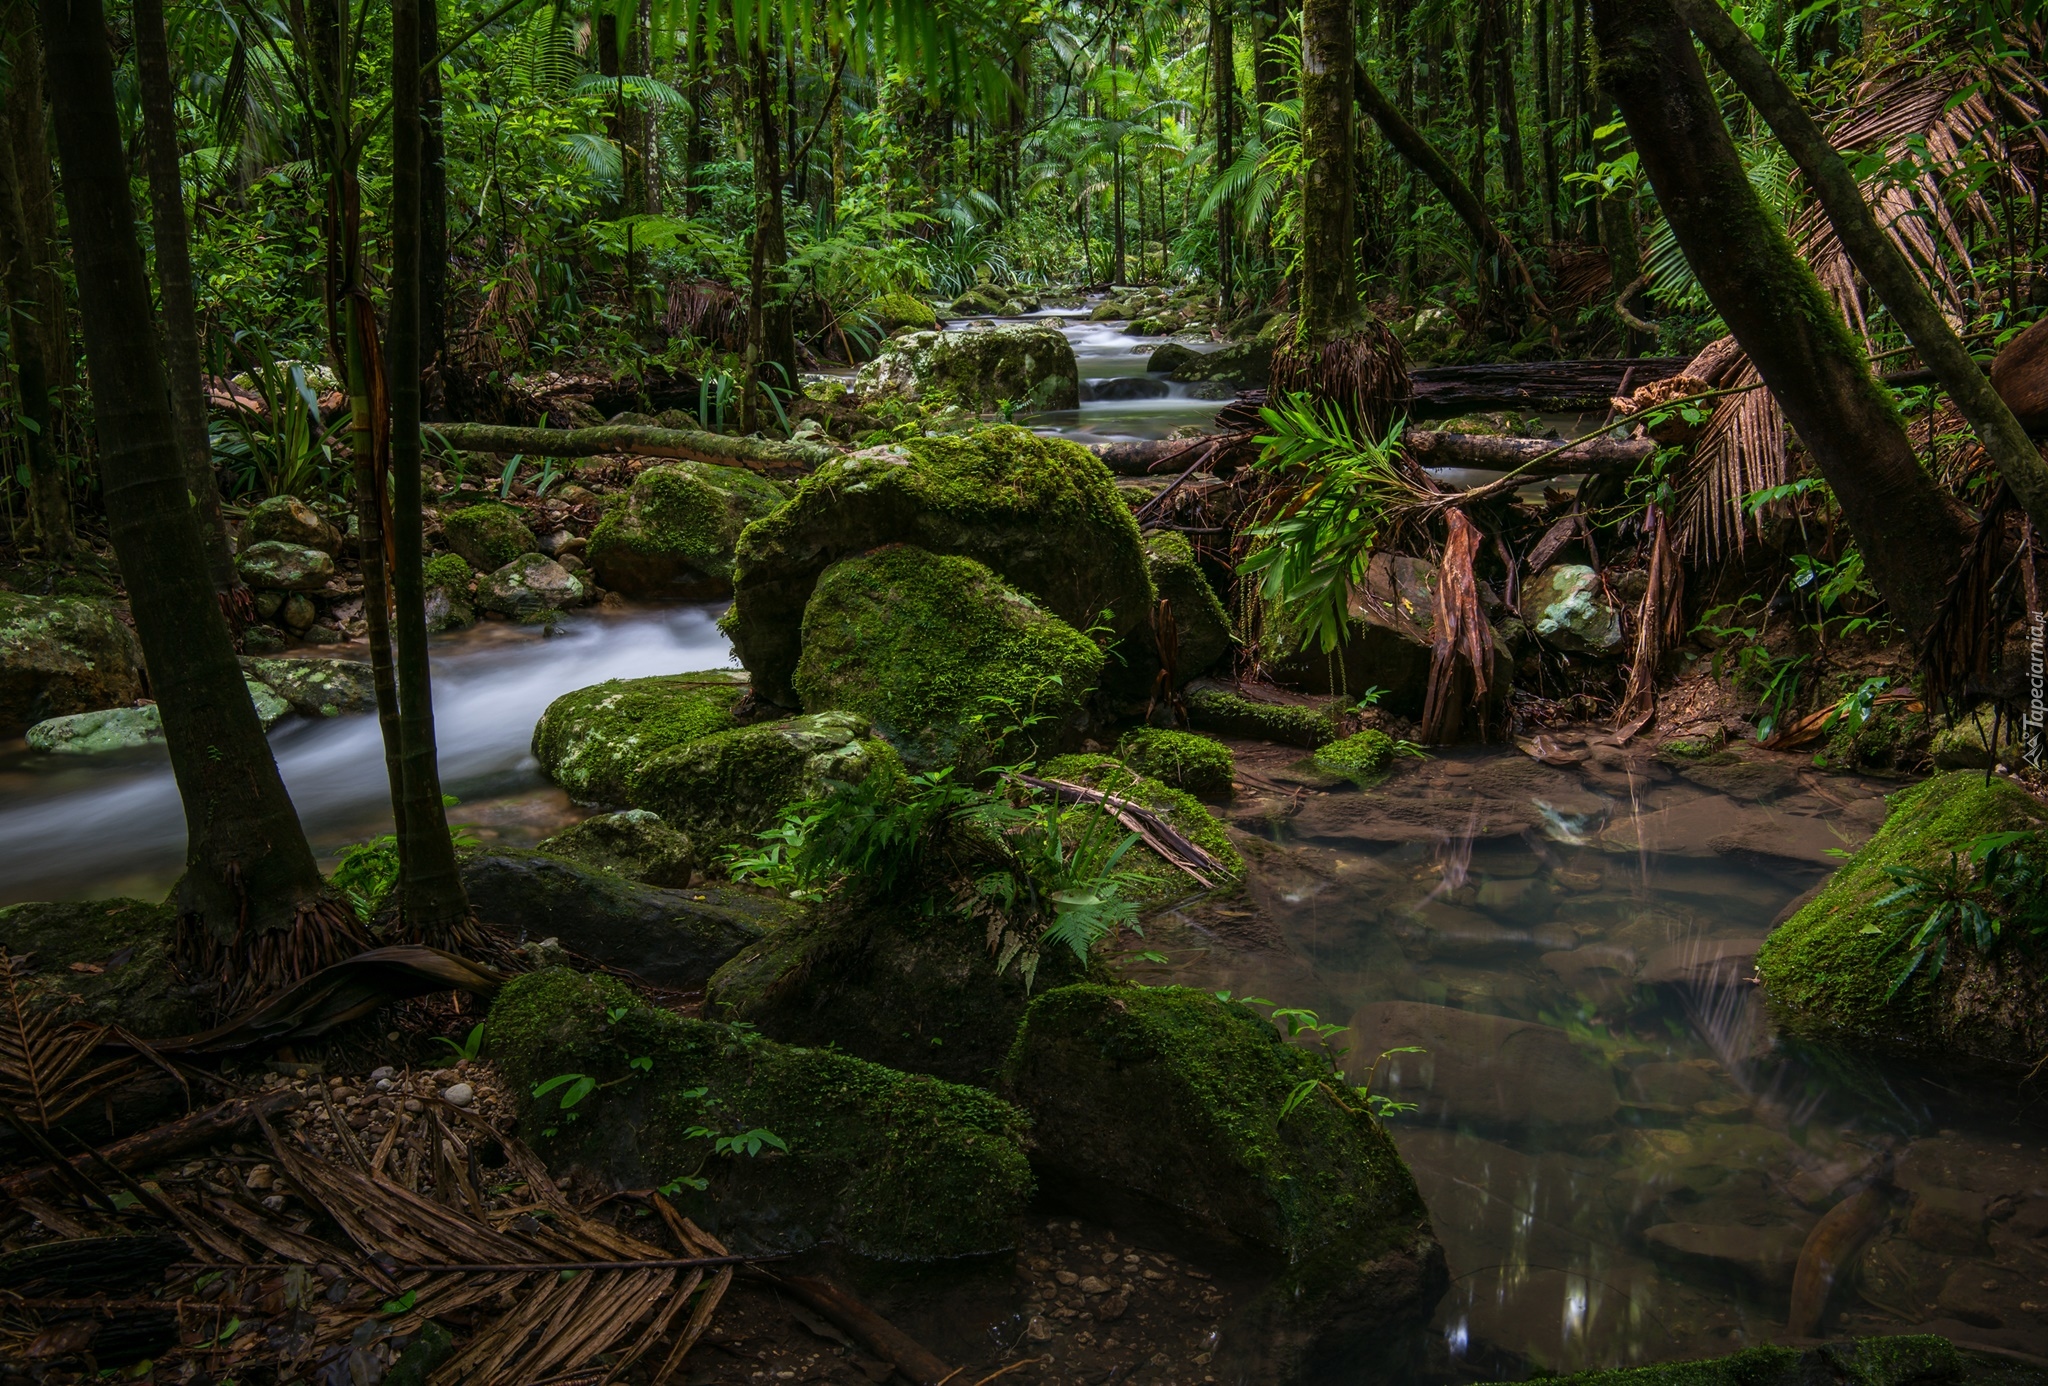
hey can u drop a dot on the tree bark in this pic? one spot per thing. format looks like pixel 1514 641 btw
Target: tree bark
pixel 719 449
pixel 1546 115
pixel 1910 530
pixel 433 215
pixel 771 323
pixel 2004 438
pixel 252 903
pixel 174 288
pixel 34 289
pixel 433 905
pixel 1328 295
pixel 1507 102
pixel 1223 88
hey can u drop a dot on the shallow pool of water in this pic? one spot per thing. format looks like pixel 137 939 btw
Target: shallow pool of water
pixel 1120 399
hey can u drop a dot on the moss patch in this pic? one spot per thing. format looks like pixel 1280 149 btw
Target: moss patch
pixel 673 537
pixel 635 843
pixel 1198 616
pixel 934 649
pixel 128 941
pixel 1177 806
pixel 1217 710
pixel 1365 756
pixel 1827 977
pixel 893 1166
pixel 594 741
pixel 489 535
pixel 1198 764
pixel 60 655
pixel 891 311
pixel 449 570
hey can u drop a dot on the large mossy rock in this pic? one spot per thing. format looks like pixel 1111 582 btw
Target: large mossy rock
pixel 593 741
pixel 724 789
pixel 60 655
pixel 530 586
pixel 1159 1110
pixel 673 938
pixel 118 729
pixel 488 536
pixel 893 311
pixel 123 951
pixel 275 566
pixel 886 1164
pixel 317 687
pixel 1157 879
pixel 1199 621
pixel 1215 708
pixel 289 520
pixel 1829 969
pixel 672 538
pixel 1568 609
pixel 635 843
pixel 1181 760
pixel 1021 364
pixel 934 649
pixel 1044 514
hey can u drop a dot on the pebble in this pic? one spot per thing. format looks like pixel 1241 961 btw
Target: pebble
pixel 1094 1285
pixel 412 1104
pixel 1066 1277
pixel 459 1095
pixel 382 1075
pixel 261 1177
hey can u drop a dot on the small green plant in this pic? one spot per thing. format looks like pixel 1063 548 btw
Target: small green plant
pixel 469 1048
pixel 749 1143
pixel 1998 883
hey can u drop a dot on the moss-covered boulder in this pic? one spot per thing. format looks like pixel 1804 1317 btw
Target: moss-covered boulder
pixel 289 520
pixel 1199 621
pixel 1198 764
pixel 1906 1360
pixel 530 586
pixel 275 566
pixel 1044 514
pixel 489 535
pixel 886 1164
pixel 317 687
pixel 1217 709
pixel 674 938
pixel 1244 365
pixel 1159 879
pixel 449 584
pixel 1022 364
pixel 133 728
pixel 593 741
pixel 1160 1110
pixel 941 656
pixel 672 537
pixel 122 951
pixel 725 788
pixel 1362 757
pixel 893 311
pixel 1567 606
pixel 980 301
pixel 635 843
pixel 1830 969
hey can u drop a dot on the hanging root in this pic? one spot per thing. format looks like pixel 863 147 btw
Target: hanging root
pixel 255 964
pixel 1461 661
pixel 1364 373
pixel 1961 644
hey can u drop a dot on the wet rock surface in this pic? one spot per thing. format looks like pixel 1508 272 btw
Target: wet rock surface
pixel 60 655
pixel 672 537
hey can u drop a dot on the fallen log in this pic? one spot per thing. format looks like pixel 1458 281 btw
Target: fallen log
pixel 1427 446
pixel 877 1335
pixel 1446 390
pixel 636 440
pixel 230 1121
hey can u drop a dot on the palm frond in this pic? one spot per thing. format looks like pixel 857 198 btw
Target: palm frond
pixel 46 1062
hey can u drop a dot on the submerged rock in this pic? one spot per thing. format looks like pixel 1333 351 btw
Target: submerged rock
pixel 528 586
pixel 283 567
pixel 1159 1110
pixel 110 959
pixel 1201 626
pixel 317 687
pixel 634 842
pixel 927 647
pixel 888 1165
pixel 289 520
pixel 1483 1070
pixel 1567 608
pixel 489 535
pixel 673 938
pixel 1042 513
pixel 1016 364
pixel 673 535
pixel 592 742
pixel 1830 971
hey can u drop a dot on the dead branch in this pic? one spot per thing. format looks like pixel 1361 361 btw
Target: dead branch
pixel 635 440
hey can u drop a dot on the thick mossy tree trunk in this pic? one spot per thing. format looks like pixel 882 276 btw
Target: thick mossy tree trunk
pixel 433 215
pixel 1337 352
pixel 771 321
pixel 34 290
pixel 1911 531
pixel 1880 260
pixel 174 289
pixel 254 910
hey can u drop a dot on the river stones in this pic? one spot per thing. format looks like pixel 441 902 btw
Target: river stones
pixel 1568 610
pixel 1159 1110
pixel 1042 514
pixel 633 842
pixel 317 687
pixel 1759 1260
pixel 530 586
pixel 488 535
pixel 1022 365
pixel 289 520
pixel 1201 626
pixel 592 742
pixel 885 1164
pixel 672 537
pixel 1483 1070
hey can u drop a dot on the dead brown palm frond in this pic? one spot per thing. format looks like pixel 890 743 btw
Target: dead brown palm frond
pixel 712 313
pixel 1740 451
pixel 47 1068
pixel 1461 660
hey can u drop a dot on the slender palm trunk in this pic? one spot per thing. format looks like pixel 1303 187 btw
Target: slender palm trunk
pixel 1546 114
pixel 1328 301
pixel 1116 265
pixel 174 288
pixel 33 285
pixel 254 911
pixel 433 217
pixel 1507 102
pixel 1223 84
pixel 771 325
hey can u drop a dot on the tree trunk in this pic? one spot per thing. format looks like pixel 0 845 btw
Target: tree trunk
pixel 2005 440
pixel 33 284
pixel 1223 86
pixel 771 325
pixel 254 911
pixel 1328 296
pixel 1480 92
pixel 1910 530
pixel 1116 265
pixel 433 904
pixel 433 216
pixel 1507 102
pixel 174 286
pixel 1582 107
pixel 1546 115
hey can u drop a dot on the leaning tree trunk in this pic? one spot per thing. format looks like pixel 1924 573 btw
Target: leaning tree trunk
pixel 433 905
pixel 174 290
pixel 1336 353
pixel 35 291
pixel 254 911
pixel 2004 438
pixel 1911 531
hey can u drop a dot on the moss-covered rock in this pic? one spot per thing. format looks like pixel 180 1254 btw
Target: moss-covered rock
pixel 317 687
pixel 276 566
pixel 981 301
pixel 529 586
pixel 725 788
pixel 1233 714
pixel 1829 969
pixel 133 728
pixel 887 1164
pixel 1159 1110
pixel 1198 764
pixel 449 579
pixel 1365 756
pixel 1042 513
pixel 593 741
pixel 1972 743
pixel 1199 620
pixel 289 520
pixel 1195 823
pixel 123 948
pixel 891 311
pixel 673 535
pixel 1907 1360
pixel 674 938
pixel 936 651
pixel 1567 608
pixel 1023 365
pixel 635 843
pixel 60 655
pixel 1245 365
pixel 489 535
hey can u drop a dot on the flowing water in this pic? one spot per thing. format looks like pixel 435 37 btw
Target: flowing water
pixel 1120 399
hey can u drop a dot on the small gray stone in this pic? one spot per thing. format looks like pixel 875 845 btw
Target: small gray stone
pixel 1565 606
pixel 284 567
pixel 459 1095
